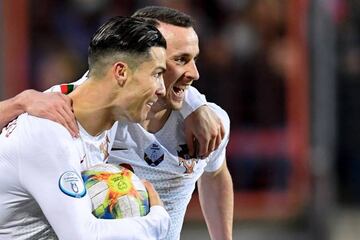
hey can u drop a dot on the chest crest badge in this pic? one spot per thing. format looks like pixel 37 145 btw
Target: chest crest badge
pixel 185 159
pixel 154 155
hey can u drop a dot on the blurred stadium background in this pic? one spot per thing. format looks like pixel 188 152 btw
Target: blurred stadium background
pixel 286 71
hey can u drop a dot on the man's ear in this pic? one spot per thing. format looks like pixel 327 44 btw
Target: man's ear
pixel 120 70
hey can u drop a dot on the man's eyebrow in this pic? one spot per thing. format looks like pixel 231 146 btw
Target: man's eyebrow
pixel 163 69
pixel 187 55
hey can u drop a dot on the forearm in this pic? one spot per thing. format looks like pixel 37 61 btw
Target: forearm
pixel 217 203
pixel 10 109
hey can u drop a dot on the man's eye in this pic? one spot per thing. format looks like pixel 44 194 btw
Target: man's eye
pixel 181 61
pixel 158 75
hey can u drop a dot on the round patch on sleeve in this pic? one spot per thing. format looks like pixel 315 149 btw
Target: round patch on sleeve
pixel 72 184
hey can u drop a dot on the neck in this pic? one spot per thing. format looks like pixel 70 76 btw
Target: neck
pixel 91 106
pixel 157 117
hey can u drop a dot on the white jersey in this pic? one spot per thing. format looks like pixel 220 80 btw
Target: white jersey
pixel 42 195
pixel 163 159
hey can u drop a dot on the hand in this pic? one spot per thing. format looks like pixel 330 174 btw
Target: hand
pixel 203 131
pixel 53 106
pixel 153 195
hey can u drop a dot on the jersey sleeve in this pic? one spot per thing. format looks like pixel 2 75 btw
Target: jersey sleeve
pixel 48 154
pixel 192 101
pixel 217 157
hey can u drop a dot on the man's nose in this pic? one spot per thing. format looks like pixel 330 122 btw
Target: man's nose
pixel 192 71
pixel 161 88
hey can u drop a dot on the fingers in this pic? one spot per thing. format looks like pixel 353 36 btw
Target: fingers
pixel 222 130
pixel 64 114
pixel 70 117
pixel 203 147
pixel 53 106
pixel 212 146
pixel 190 142
pixel 153 195
pixel 219 137
pixel 67 119
pixel 209 143
pixel 207 128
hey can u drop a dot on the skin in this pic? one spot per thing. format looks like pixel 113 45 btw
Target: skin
pixel 122 93
pixel 217 209
pixel 154 197
pixel 144 86
pixel 181 62
pixel 181 53
pixel 203 131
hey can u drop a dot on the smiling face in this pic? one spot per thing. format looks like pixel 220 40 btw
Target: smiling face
pixel 181 54
pixel 145 85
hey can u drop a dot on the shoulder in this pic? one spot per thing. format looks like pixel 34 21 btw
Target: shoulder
pixel 32 139
pixel 41 130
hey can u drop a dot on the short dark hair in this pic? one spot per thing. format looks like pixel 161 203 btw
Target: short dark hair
pixel 166 15
pixel 126 36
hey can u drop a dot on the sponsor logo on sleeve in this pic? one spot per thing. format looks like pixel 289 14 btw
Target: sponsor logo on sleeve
pixel 72 184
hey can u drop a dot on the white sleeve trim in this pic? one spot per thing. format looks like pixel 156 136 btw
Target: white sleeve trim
pixel 192 101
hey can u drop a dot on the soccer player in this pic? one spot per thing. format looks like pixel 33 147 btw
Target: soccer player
pixel 157 149
pixel 42 195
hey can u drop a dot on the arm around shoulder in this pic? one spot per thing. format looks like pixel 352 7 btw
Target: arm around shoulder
pixel 13 107
pixel 53 106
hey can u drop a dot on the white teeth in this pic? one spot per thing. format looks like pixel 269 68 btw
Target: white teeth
pixel 183 88
pixel 178 91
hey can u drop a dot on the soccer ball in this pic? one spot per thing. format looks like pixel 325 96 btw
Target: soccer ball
pixel 115 192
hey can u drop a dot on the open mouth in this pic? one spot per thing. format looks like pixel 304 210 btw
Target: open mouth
pixel 178 91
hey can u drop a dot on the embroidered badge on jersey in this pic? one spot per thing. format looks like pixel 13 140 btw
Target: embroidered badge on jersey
pixel 186 160
pixel 72 184
pixel 10 128
pixel 154 155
